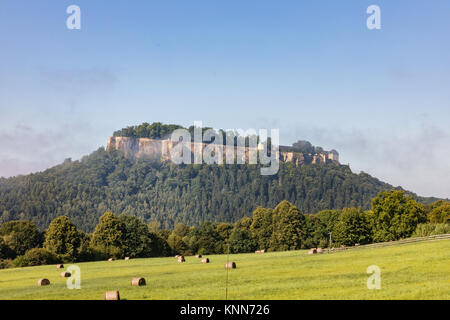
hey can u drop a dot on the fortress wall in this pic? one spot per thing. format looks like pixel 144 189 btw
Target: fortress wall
pixel 294 157
pixel 162 149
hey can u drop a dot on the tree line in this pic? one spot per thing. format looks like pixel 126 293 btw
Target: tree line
pixel 392 216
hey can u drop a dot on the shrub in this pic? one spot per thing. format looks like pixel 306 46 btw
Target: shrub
pixel 35 257
pixel 20 236
pixel 90 253
pixel 5 251
pixel 440 214
pixel 5 263
pixel 431 229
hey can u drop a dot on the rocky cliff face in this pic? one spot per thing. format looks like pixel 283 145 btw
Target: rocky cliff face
pixel 141 147
pixel 162 149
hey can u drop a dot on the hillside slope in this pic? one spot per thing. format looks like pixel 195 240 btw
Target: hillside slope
pixel 107 181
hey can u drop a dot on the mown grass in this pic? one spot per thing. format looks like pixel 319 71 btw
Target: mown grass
pixel 413 271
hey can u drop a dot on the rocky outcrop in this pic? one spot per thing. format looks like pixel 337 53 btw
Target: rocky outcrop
pixel 296 158
pixel 142 147
pixel 162 149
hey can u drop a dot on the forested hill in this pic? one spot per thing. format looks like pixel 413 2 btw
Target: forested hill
pixel 107 181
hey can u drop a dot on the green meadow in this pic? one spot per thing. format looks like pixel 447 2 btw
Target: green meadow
pixel 411 271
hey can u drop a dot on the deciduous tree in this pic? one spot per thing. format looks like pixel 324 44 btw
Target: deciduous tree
pixel 395 216
pixel 20 236
pixel 63 238
pixel 108 236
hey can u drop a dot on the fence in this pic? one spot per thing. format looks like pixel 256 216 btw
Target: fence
pixel 393 243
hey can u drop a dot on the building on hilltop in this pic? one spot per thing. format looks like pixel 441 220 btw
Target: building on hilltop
pixel 162 149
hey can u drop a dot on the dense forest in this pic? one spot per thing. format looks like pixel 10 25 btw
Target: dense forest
pixel 191 194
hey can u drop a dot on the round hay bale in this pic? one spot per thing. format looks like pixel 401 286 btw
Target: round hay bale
pixel 138 282
pixel 319 250
pixel 127 258
pixel 112 295
pixel 230 265
pixel 181 259
pixel 43 282
pixel 110 259
pixel 312 251
pixel 206 260
pixel 65 274
pixel 59 266
pixel 198 256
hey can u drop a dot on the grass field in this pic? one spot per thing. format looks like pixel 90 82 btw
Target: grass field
pixel 413 271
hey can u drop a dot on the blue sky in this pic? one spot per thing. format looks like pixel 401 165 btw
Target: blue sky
pixel 310 68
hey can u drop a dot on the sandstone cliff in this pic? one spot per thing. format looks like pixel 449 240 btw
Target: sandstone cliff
pixel 162 149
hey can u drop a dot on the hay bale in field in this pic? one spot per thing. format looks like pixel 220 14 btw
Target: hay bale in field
pixel 230 265
pixel 181 259
pixel 138 282
pixel 198 256
pixel 127 258
pixel 206 260
pixel 59 266
pixel 312 251
pixel 110 259
pixel 357 244
pixel 319 250
pixel 43 282
pixel 65 274
pixel 260 251
pixel 112 295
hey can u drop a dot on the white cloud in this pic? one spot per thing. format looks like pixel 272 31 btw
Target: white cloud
pixel 416 158
pixel 25 150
